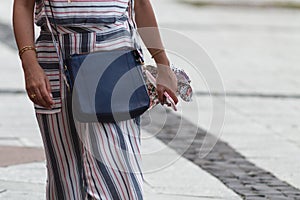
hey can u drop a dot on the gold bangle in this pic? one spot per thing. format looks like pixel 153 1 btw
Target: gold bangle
pixel 157 52
pixel 26 48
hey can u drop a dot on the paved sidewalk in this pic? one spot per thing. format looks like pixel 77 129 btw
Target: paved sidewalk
pixel 23 175
pixel 22 169
pixel 181 180
pixel 27 181
pixel 257 54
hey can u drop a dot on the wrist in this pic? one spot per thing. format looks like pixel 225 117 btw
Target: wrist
pixel 162 60
pixel 25 49
pixel 29 58
pixel 29 63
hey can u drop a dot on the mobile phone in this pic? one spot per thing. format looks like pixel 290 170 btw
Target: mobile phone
pixel 170 101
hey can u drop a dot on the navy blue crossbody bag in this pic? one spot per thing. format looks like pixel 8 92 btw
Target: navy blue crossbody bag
pixel 106 86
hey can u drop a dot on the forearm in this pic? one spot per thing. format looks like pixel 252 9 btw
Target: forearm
pixel 24 30
pixel 148 30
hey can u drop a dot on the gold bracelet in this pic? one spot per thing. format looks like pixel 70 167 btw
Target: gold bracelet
pixel 157 52
pixel 26 48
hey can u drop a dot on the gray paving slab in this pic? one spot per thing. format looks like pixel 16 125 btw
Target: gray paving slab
pixel 18 125
pixel 6 12
pixel 171 176
pixel 19 190
pixel 26 181
pixel 259 36
pixel 11 76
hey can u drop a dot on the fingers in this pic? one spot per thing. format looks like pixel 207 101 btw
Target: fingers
pixel 166 81
pixel 40 95
pixel 160 93
pixel 48 85
pixel 161 97
pixel 40 99
pixel 172 95
pixel 47 92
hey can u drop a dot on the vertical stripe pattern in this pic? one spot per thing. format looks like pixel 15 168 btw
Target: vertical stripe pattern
pixel 86 161
pixel 91 160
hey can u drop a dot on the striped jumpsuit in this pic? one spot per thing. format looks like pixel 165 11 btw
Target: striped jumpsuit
pixel 86 160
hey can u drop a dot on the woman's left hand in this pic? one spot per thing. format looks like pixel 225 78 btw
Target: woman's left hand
pixel 166 81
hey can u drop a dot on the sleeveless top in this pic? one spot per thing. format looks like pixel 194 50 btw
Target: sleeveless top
pixel 84 26
pixel 83 12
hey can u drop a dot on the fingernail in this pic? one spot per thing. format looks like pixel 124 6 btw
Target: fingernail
pixel 51 95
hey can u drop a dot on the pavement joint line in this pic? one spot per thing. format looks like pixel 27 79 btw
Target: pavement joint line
pixel 250 95
pixel 232 27
pixel 11 91
pixel 223 162
pixel 188 195
pixel 247 4
pixel 22 182
pixel 2 191
pixel 199 93
pixel 9 138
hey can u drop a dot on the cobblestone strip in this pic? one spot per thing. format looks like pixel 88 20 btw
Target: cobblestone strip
pixel 223 162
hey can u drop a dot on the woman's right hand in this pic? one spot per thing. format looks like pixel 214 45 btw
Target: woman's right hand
pixel 37 85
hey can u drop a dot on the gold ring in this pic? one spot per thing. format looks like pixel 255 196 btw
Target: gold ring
pixel 32 96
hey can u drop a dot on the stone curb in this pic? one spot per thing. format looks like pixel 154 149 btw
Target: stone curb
pixel 239 3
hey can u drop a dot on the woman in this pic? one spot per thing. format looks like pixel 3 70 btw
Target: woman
pixel 105 163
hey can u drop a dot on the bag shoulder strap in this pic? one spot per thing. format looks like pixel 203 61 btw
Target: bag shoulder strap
pixel 54 27
pixel 57 44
